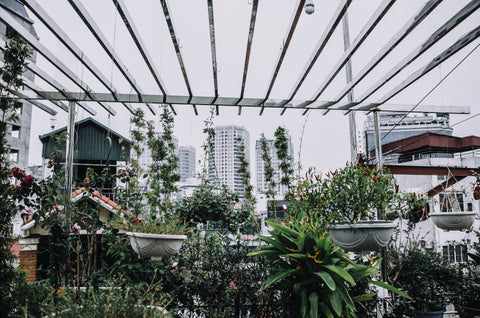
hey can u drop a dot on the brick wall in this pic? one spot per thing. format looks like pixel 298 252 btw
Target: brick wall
pixel 28 257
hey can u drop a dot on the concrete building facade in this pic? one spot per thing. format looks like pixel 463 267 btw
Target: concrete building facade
pixel 19 131
pixel 187 162
pixel 404 126
pixel 225 161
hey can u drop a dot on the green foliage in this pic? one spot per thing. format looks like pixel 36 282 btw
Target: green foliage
pixel 425 276
pixel 347 195
pixel 16 54
pixel 286 161
pixel 469 294
pixel 267 168
pixel 151 211
pixel 213 277
pixel 41 300
pixel 244 171
pixel 318 272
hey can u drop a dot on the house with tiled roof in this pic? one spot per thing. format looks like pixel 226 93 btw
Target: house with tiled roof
pixel 34 253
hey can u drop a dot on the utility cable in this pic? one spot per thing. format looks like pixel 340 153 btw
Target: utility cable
pixel 429 92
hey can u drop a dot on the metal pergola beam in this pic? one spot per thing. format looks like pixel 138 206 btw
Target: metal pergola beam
pixel 327 34
pixel 40 48
pixel 251 31
pixel 23 98
pixel 457 46
pixel 362 36
pixel 211 24
pixel 286 44
pixel 387 49
pixel 137 39
pixel 225 101
pixel 173 36
pixel 38 90
pixel 461 15
pixel 55 84
pixel 102 40
pixel 56 30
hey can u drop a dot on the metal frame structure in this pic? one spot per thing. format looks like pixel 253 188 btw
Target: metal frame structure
pixel 86 94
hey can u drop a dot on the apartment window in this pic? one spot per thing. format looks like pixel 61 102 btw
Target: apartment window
pixel 13 156
pixel 19 108
pixel 15 131
pixel 455 253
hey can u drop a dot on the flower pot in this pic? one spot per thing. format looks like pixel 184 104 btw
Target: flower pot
pixel 429 314
pixel 363 236
pixel 155 246
pixel 453 221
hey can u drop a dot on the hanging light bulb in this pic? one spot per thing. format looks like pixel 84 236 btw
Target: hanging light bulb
pixel 309 7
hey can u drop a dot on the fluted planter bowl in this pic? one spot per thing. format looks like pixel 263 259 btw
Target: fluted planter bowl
pixel 429 314
pixel 155 246
pixel 453 221
pixel 363 236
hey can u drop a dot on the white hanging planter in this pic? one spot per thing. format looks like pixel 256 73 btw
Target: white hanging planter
pixel 363 236
pixel 453 221
pixel 155 246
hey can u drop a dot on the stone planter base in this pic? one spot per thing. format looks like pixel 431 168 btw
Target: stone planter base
pixel 363 236
pixel 429 314
pixel 453 221
pixel 155 246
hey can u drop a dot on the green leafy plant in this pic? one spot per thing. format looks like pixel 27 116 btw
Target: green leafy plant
pixel 318 272
pixel 15 58
pixel 152 211
pixel 286 161
pixel 425 276
pixel 351 194
pixel 224 283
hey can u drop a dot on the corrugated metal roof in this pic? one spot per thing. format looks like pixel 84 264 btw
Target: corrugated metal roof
pixel 91 142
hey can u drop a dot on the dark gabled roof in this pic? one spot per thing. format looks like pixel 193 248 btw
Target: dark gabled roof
pixel 86 121
pixel 90 142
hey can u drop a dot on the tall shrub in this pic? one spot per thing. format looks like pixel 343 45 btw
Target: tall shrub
pixel 15 60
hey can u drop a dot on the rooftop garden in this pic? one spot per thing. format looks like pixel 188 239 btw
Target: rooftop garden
pixel 153 257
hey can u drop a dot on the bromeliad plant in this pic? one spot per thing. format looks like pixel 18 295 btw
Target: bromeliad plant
pixel 318 272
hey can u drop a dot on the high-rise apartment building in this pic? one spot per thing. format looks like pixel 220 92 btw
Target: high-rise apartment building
pixel 19 131
pixel 262 185
pixel 186 155
pixel 225 161
pixel 396 126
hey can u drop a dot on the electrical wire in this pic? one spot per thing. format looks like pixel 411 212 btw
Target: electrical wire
pixel 429 92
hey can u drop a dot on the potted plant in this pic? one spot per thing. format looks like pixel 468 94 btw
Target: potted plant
pixel 426 277
pixel 317 273
pixel 468 302
pixel 356 202
pixel 154 224
pixel 451 217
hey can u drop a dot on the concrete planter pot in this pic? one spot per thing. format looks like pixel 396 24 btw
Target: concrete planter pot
pixel 155 246
pixel 363 236
pixel 453 221
pixel 430 314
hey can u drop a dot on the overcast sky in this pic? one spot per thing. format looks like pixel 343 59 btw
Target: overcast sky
pixel 325 143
